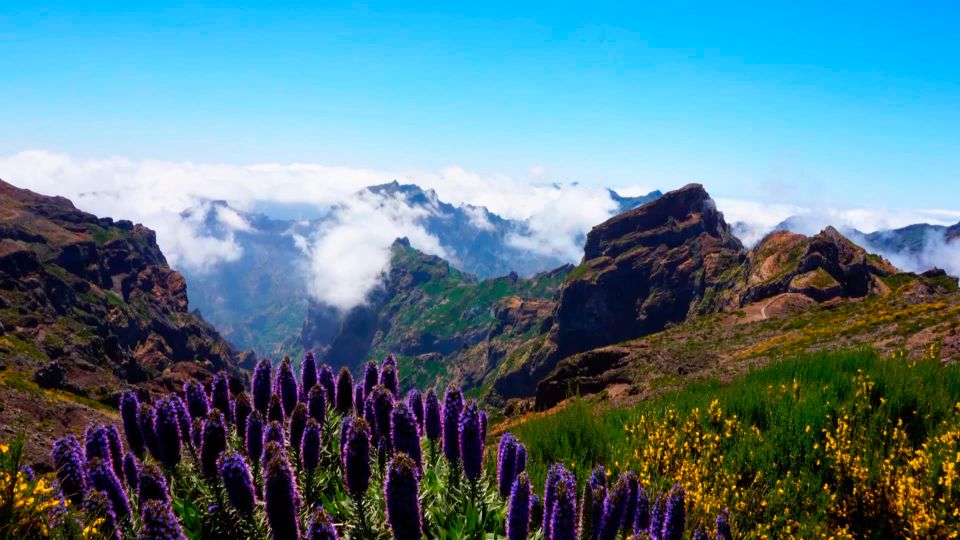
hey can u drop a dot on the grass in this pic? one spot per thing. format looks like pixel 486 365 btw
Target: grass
pixel 776 457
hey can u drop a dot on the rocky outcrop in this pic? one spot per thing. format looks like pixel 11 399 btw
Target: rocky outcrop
pixel 642 270
pixel 823 267
pixel 785 275
pixel 89 306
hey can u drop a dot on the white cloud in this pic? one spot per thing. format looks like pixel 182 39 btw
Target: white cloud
pixel 155 192
pixel 565 215
pixel 478 217
pixel 349 255
pixel 759 218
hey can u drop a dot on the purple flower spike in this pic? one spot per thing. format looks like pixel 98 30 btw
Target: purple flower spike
pixel 116 449
pixel 98 504
pixel 563 518
pixel 518 511
pixel 273 432
pixel 310 445
pixel 642 520
pixel 371 377
pixel 214 442
pixel 657 511
pixel 506 461
pixel 237 482
pixel 390 360
pixel 102 478
pixel 389 379
pixel 700 534
pixel 317 404
pixel 153 487
pixel 598 479
pixel 370 415
pixel 675 515
pixel 147 419
pixel 168 433
pixel 483 424
pixel 614 510
pixel 633 491
pixel 129 410
pixel 536 511
pixel 345 428
pixel 356 458
pixel 97 443
pixel 298 423
pixel 197 404
pixel 326 380
pixel 432 422
pixel 415 402
pixel 723 526
pixel 401 493
pixel 131 471
pixel 160 523
pixel 555 475
pixel 321 526
pixel 261 385
pixel 255 436
pixel 344 391
pixel 471 441
pixel 196 432
pixel 241 412
pixel 452 407
pixel 71 476
pixel 520 463
pixel 287 386
pixel 308 375
pixel 358 396
pixel 406 434
pixel 275 410
pixel 383 410
pixel 183 417
pixel 282 499
pixel 220 391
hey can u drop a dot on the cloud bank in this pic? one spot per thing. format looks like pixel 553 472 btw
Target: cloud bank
pixel 349 255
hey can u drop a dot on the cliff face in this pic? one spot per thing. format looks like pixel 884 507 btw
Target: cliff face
pixel 786 277
pixel 642 270
pixel 88 306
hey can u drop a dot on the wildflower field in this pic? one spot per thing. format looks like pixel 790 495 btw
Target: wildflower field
pixel 316 456
pixel 830 445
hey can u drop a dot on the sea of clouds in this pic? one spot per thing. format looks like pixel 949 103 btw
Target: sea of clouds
pixel 348 255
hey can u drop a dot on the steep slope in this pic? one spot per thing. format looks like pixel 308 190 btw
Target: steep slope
pixel 431 316
pixel 88 306
pixel 642 270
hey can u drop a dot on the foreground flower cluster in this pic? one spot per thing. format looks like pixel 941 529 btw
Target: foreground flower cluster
pixel 314 455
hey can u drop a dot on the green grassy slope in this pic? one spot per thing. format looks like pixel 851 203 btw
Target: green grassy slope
pixel 842 443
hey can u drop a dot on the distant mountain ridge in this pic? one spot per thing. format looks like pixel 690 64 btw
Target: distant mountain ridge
pixel 259 301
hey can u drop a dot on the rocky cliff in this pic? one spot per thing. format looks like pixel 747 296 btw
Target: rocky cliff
pixel 642 270
pixel 88 307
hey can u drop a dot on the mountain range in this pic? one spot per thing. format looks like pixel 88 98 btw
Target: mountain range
pixel 259 301
pixel 665 292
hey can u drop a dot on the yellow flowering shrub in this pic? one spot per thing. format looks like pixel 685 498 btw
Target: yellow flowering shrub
pixel 27 503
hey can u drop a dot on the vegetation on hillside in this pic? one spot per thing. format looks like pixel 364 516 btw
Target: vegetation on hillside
pixel 842 444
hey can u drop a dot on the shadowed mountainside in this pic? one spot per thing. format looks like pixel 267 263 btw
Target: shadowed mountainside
pixel 88 307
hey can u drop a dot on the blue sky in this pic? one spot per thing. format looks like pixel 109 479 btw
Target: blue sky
pixel 809 103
